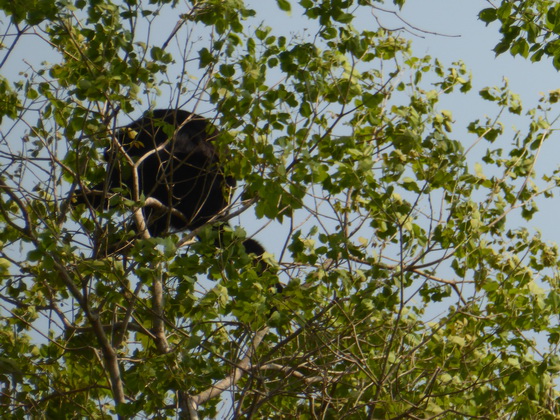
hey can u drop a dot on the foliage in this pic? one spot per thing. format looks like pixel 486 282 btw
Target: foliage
pixel 409 288
pixel 530 29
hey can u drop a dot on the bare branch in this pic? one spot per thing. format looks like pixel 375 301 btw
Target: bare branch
pixel 242 367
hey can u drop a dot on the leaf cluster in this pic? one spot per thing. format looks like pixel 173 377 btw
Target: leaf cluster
pixel 411 286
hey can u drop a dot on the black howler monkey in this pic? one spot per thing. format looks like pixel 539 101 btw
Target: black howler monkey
pixel 179 167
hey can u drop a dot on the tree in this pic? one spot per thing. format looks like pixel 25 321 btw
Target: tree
pixel 529 28
pixel 410 289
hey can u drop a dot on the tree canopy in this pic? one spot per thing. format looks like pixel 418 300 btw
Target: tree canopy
pixel 412 283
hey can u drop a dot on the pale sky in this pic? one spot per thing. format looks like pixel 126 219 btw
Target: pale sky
pixel 463 37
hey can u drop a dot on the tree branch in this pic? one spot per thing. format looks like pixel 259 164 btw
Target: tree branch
pixel 109 354
pixel 243 366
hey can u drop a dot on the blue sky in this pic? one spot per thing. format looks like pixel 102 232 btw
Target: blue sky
pixel 450 31
pixel 447 29
pixel 461 37
pixel 474 46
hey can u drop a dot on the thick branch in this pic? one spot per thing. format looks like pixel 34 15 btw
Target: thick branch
pixel 24 230
pixel 109 355
pixel 216 389
pixel 158 316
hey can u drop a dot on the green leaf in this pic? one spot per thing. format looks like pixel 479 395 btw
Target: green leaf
pixel 488 15
pixel 284 5
pixel 372 100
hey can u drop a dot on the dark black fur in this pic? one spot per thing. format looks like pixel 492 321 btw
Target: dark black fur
pixel 185 175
